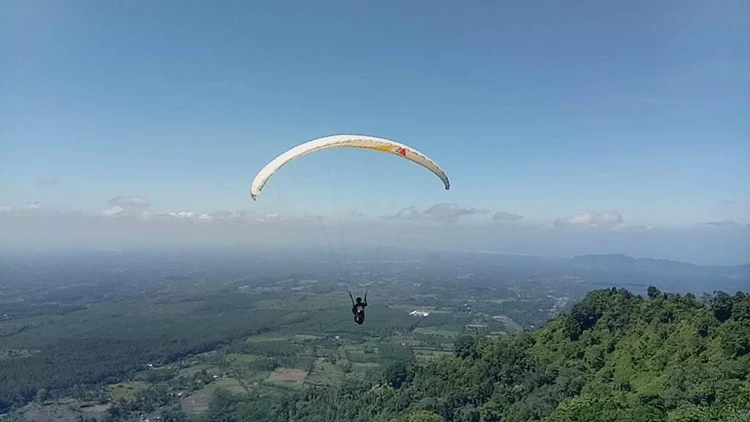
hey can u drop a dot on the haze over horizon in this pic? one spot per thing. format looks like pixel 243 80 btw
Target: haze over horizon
pixel 577 129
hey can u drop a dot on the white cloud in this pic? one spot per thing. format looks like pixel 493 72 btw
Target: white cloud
pixel 408 213
pixel 228 215
pixel 450 212
pixel 113 211
pixel 722 223
pixel 206 218
pixel 357 214
pixel 506 216
pixel 126 206
pixel 641 229
pixel 183 214
pixel 443 212
pixel 35 208
pixel 129 201
pixel 591 219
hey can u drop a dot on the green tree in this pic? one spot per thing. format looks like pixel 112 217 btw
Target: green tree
pixel 174 414
pixel 424 416
pixel 653 292
pixel 396 374
pixel 41 395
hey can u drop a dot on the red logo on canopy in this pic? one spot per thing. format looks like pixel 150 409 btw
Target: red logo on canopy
pixel 402 151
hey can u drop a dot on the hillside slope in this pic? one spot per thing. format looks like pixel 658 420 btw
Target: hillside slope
pixel 614 357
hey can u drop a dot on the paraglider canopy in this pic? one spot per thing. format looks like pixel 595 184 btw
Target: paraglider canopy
pixel 346 141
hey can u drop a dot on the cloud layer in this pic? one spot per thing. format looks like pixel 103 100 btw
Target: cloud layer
pixel 126 205
pixel 443 212
pixel 130 221
pixel 129 201
pixel 723 223
pixel 506 216
pixel 591 219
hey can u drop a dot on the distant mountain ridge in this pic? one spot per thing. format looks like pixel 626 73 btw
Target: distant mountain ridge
pixel 625 270
pixel 621 261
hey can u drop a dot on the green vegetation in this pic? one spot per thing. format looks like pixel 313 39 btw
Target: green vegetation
pixel 615 357
pixel 75 365
pixel 190 350
pixel 174 351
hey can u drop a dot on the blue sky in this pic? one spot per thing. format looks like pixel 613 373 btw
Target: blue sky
pixel 544 109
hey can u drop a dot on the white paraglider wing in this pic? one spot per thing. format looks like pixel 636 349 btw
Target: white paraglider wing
pixel 346 141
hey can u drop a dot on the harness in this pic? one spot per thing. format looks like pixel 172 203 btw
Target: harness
pixel 358 309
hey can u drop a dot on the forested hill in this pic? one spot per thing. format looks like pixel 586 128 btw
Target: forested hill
pixel 614 357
